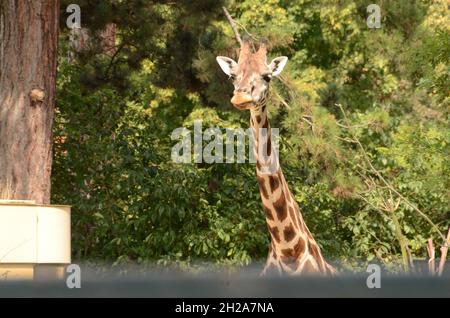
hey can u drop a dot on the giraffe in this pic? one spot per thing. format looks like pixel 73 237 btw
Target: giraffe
pixel 293 249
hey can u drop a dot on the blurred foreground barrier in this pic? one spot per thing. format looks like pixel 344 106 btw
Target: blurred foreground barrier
pixel 232 286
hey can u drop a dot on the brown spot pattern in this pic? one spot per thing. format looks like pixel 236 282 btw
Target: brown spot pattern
pixel 280 208
pixel 262 187
pixel 313 250
pixel 266 124
pixel 291 256
pixel 289 233
pixel 287 255
pixel 268 212
pixel 269 146
pixel 288 258
pixel 299 248
pixel 275 233
pixel 274 183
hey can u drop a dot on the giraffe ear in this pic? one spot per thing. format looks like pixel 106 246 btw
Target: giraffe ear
pixel 277 65
pixel 226 64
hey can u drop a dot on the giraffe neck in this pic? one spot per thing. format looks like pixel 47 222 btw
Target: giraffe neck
pixel 293 248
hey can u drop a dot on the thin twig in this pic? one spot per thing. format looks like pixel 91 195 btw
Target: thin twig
pixel 282 100
pixel 410 257
pixel 113 57
pixel 346 140
pixel 307 121
pixel 245 30
pixel 233 25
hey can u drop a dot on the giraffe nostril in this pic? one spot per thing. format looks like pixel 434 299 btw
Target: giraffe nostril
pixel 253 88
pixel 245 90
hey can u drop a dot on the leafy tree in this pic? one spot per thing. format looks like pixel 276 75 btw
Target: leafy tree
pixel 363 115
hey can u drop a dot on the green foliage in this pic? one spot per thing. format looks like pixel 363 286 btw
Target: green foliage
pixel 115 117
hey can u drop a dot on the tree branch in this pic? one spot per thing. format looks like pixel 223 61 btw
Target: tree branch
pixel 444 250
pixel 431 260
pixel 386 183
pixel 233 25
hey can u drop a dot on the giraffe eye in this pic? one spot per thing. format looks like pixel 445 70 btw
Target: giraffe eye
pixel 267 77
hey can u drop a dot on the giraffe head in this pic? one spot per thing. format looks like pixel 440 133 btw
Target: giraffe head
pixel 251 74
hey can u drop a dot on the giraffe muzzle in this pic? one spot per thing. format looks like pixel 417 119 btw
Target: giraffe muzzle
pixel 242 100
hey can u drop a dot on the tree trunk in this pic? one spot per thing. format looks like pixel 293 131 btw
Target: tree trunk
pixel 28 52
pixel 104 41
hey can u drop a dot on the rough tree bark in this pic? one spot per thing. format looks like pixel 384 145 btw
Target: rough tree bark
pixel 105 40
pixel 28 43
